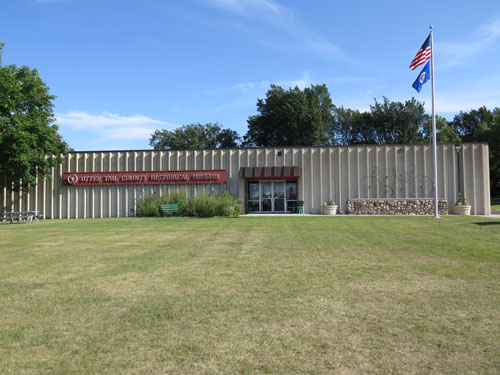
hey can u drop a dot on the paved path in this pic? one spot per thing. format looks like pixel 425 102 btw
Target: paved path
pixel 494 215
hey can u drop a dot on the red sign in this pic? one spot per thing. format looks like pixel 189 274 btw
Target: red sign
pixel 214 176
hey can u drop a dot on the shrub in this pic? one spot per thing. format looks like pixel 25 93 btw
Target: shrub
pixel 202 205
pixel 228 205
pixel 150 206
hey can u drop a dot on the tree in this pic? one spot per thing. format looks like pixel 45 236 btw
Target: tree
pixel 352 127
pixel 291 117
pixel 482 125
pixel 397 122
pixel 194 136
pixel 493 136
pixel 29 141
pixel 445 131
pixel 472 126
pixel 386 123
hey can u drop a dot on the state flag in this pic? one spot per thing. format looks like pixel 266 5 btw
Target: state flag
pixel 422 77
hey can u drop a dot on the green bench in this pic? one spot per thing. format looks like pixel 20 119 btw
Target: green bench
pixel 171 209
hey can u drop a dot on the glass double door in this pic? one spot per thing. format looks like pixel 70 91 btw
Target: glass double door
pixel 265 196
pixel 273 196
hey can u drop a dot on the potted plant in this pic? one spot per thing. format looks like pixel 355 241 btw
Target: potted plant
pixel 329 208
pixel 461 207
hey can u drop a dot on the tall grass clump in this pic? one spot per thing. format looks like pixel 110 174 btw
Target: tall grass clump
pixel 150 206
pixel 202 205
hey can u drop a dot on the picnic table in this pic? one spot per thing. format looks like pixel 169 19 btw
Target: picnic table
pixel 20 216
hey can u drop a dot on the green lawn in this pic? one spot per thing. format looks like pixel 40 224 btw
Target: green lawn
pixel 251 295
pixel 495 203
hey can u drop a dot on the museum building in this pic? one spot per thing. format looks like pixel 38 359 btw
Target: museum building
pixel 100 184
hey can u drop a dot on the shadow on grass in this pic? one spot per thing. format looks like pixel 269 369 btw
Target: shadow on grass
pixel 488 223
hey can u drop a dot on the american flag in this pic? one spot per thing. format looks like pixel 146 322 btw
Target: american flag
pixel 423 54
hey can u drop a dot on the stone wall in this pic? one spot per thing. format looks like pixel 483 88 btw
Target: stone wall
pixel 407 206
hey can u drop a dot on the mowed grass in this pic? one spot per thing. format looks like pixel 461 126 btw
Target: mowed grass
pixel 495 203
pixel 251 295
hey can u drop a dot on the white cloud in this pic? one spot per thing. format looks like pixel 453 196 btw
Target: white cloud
pixel 112 126
pixel 459 53
pixel 450 102
pixel 285 19
pixel 301 83
pixel 252 8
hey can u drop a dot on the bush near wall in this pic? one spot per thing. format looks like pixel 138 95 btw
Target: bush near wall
pixel 202 205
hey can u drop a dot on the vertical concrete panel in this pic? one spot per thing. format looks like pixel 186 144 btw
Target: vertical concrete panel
pixel 204 162
pixel 443 169
pixel 259 158
pixel 326 175
pixel 267 159
pixel 477 201
pixel 452 176
pixel 101 203
pixel 59 191
pixel 228 163
pixel 386 190
pixel 235 175
pixel 319 157
pixel 118 191
pixel 306 178
pixel 244 158
pixel 356 173
pixel 84 189
pixel 301 184
pixel 251 158
pixel 486 209
pixel 465 171
pixel 244 161
pixel 363 171
pixel 343 177
pixel 351 171
pixel 333 180
pixel 316 180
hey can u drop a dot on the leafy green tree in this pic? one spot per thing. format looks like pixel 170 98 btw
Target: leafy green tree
pixel 397 122
pixel 352 127
pixel 29 141
pixel 291 117
pixel 482 125
pixel 194 136
pixel 493 136
pixel 472 126
pixel 445 131
pixel 386 123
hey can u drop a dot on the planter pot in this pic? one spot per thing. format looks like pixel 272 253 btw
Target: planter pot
pixel 461 210
pixel 330 209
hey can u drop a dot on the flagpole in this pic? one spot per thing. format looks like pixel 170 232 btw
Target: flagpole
pixel 434 143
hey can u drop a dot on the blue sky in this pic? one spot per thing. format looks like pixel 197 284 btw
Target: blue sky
pixel 122 68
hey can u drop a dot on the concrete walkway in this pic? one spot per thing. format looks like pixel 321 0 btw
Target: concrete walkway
pixel 494 215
